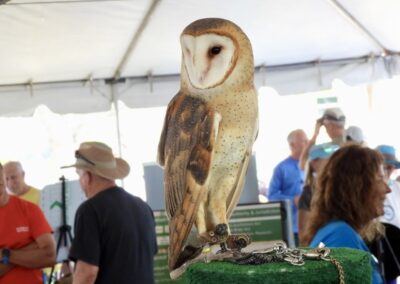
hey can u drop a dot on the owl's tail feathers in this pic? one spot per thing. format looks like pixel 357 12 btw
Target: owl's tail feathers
pixel 181 226
pixel 189 253
pixel 194 247
pixel 191 249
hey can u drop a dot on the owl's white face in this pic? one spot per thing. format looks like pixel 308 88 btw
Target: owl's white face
pixel 208 59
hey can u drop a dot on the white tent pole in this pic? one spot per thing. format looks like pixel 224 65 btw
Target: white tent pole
pixel 358 24
pixel 116 109
pixel 113 87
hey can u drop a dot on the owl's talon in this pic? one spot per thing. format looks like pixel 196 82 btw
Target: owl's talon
pixel 212 238
pixel 223 248
pixel 218 236
pixel 237 242
pixel 221 230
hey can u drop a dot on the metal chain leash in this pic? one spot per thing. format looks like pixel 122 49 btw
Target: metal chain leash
pixel 338 267
pixel 281 253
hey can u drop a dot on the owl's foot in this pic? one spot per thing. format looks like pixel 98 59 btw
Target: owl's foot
pixel 237 242
pixel 221 230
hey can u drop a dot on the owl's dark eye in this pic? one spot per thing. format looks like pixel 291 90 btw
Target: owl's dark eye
pixel 214 50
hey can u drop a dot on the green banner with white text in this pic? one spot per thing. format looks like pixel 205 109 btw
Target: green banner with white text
pixel 263 222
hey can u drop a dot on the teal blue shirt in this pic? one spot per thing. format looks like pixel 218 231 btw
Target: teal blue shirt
pixel 341 234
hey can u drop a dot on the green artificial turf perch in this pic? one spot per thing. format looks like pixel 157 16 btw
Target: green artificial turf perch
pixel 356 265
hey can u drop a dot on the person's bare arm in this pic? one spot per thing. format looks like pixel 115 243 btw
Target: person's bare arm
pixel 85 273
pixel 32 245
pixel 5 268
pixel 304 154
pixel 39 254
pixel 296 200
pixel 303 216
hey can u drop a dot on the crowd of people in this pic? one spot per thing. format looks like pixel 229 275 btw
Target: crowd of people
pixel 342 193
pixel 114 231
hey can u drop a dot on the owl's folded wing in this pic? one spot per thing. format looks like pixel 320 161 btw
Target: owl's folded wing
pixel 185 150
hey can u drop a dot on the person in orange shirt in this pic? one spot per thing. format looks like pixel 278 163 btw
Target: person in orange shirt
pixel 26 241
pixel 14 177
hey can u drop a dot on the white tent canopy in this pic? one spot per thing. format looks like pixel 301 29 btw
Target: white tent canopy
pixel 80 56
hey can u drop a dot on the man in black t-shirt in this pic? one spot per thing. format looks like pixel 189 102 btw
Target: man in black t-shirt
pixel 115 240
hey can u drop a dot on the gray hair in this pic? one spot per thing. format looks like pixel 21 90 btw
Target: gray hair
pixel 292 135
pixel 16 164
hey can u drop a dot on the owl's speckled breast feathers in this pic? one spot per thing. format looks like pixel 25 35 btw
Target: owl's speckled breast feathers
pixel 208 134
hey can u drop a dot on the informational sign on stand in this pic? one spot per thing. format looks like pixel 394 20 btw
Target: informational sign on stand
pixel 161 273
pixel 265 223
pixel 51 204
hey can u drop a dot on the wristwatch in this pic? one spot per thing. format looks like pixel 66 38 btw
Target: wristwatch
pixel 5 256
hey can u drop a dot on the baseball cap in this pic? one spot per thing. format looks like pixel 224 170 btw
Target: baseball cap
pixel 322 151
pixel 334 115
pixel 355 133
pixel 389 152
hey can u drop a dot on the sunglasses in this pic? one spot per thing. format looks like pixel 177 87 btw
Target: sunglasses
pixel 78 155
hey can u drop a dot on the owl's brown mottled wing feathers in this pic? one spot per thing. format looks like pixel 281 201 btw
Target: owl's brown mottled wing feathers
pixel 185 150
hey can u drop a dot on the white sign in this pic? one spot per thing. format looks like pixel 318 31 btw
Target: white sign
pixel 51 203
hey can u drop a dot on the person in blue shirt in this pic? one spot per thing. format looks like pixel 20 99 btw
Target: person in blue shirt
pixel 287 179
pixel 350 194
pixel 317 158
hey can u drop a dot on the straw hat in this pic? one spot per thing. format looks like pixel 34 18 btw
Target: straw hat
pixel 97 158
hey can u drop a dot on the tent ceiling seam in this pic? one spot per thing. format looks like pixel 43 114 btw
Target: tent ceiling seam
pixel 343 11
pixel 58 2
pixel 260 68
pixel 135 39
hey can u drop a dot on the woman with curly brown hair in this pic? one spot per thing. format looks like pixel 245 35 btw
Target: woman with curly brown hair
pixel 350 194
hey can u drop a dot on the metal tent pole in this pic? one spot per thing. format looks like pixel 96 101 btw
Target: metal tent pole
pixel 135 39
pixel 359 25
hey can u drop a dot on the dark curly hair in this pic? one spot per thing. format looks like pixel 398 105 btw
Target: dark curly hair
pixel 344 189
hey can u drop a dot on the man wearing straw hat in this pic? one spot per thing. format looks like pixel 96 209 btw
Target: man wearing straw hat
pixel 115 238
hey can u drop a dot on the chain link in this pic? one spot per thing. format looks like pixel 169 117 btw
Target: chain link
pixel 339 268
pixel 280 252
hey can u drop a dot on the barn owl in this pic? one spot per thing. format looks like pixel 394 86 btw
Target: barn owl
pixel 206 142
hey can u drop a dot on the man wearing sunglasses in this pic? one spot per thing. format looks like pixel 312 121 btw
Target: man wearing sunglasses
pixel 334 121
pixel 115 239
